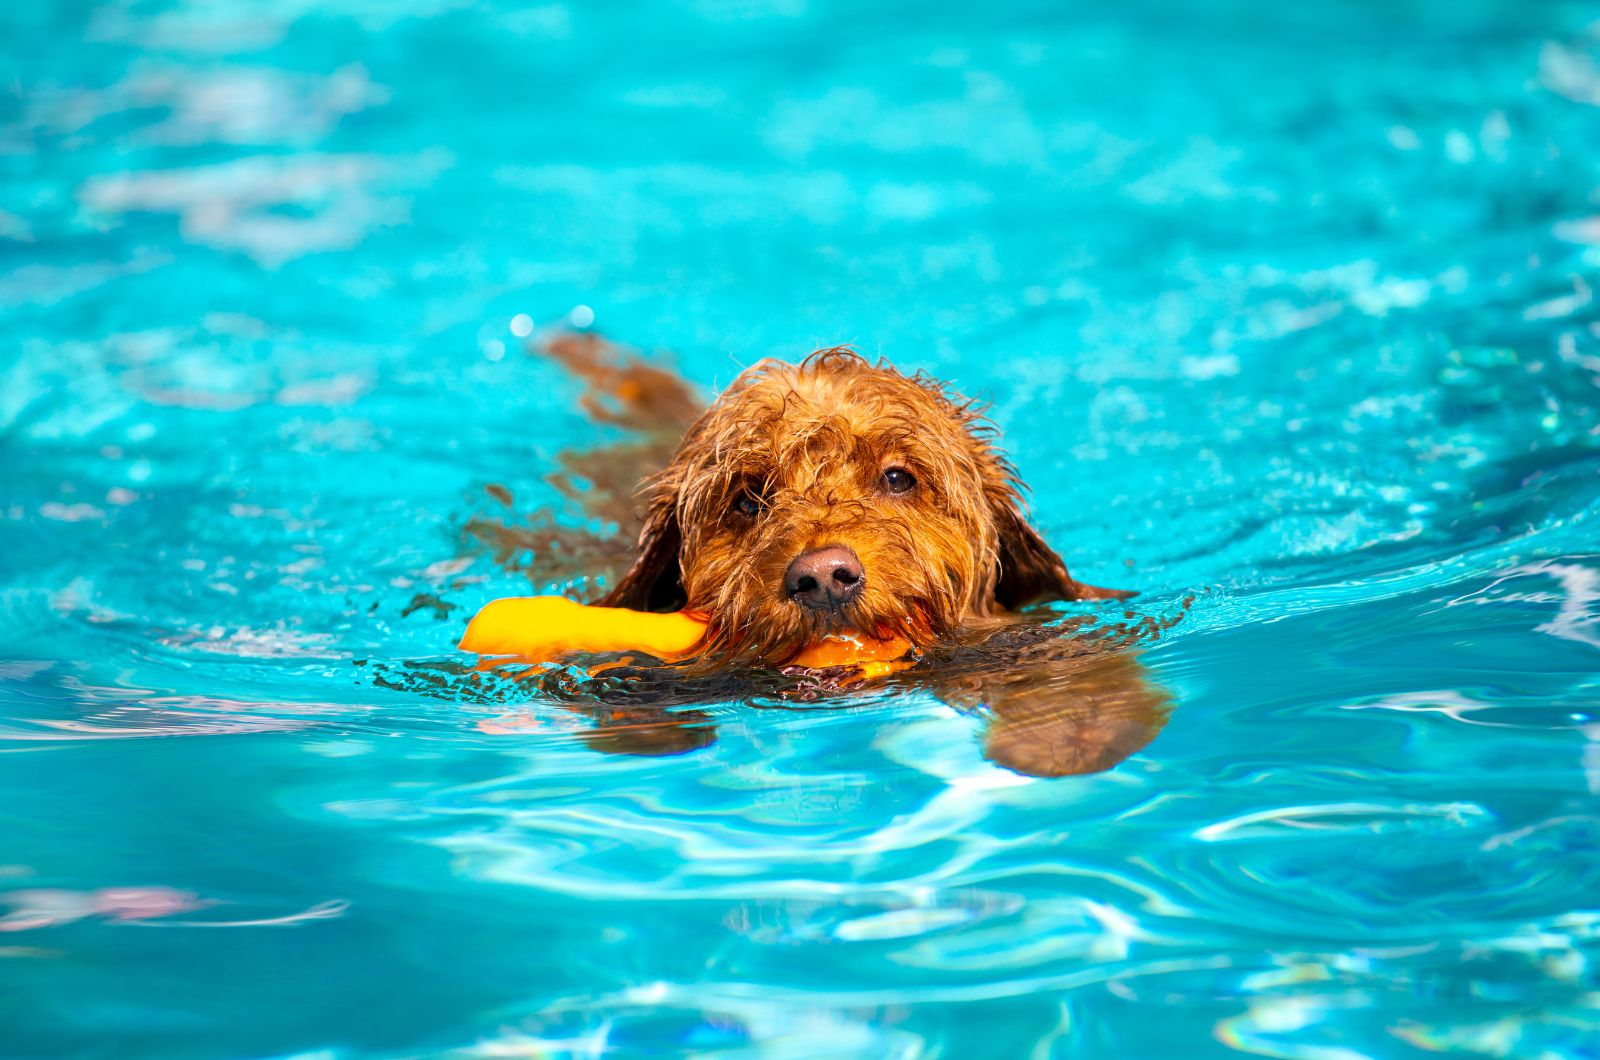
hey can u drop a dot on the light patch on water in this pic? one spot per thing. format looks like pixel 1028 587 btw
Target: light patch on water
pixel 1371 817
pixel 40 284
pixel 338 748
pixel 1363 284
pixel 71 513
pixel 240 105
pixel 1577 616
pixel 246 25
pixel 241 204
pixel 1403 138
pixel 133 723
pixel 899 923
pixel 1570 70
pixel 35 908
pixel 343 389
pixel 1268 1028
pixel 1562 306
pixel 15 228
pixel 1451 704
pixel 1215 366
pixel 275 642
pixel 925 745
pixel 518 1045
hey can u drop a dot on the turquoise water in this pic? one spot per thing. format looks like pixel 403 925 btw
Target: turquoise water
pixel 1286 307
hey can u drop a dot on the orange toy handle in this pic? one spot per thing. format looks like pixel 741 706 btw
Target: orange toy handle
pixel 545 627
pixel 542 628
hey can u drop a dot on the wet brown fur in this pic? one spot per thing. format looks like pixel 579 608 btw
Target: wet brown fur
pixel 654 406
pixel 810 444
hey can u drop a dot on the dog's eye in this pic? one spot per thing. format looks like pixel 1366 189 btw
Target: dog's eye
pixel 747 506
pixel 898 480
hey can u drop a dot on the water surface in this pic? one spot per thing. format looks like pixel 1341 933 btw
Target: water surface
pixel 1285 307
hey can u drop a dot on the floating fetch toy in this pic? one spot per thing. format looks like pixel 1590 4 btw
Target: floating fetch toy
pixel 543 628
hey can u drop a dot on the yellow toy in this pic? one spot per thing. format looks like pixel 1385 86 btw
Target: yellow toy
pixel 542 628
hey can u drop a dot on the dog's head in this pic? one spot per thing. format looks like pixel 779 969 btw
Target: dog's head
pixel 837 495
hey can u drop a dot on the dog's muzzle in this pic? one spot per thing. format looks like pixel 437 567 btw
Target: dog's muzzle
pixel 824 579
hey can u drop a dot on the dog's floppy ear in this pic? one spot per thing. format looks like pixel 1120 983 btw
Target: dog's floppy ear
pixel 654 582
pixel 1030 570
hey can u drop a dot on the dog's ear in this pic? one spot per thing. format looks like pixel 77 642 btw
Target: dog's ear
pixel 654 582
pixel 1030 570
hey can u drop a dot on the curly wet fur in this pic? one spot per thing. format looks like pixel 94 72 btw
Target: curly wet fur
pixel 810 443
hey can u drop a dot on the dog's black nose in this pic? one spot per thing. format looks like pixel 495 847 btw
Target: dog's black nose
pixel 824 578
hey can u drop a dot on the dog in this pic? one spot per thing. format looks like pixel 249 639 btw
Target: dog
pixel 835 495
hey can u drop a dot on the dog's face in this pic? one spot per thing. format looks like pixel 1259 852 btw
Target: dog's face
pixel 837 496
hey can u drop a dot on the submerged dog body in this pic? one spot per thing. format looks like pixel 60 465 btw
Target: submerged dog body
pixel 837 495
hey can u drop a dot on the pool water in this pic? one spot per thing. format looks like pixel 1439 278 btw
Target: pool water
pixel 1286 307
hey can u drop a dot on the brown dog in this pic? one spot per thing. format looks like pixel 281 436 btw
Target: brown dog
pixel 838 495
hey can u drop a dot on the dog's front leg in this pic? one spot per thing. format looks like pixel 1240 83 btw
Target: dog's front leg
pixel 1059 716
